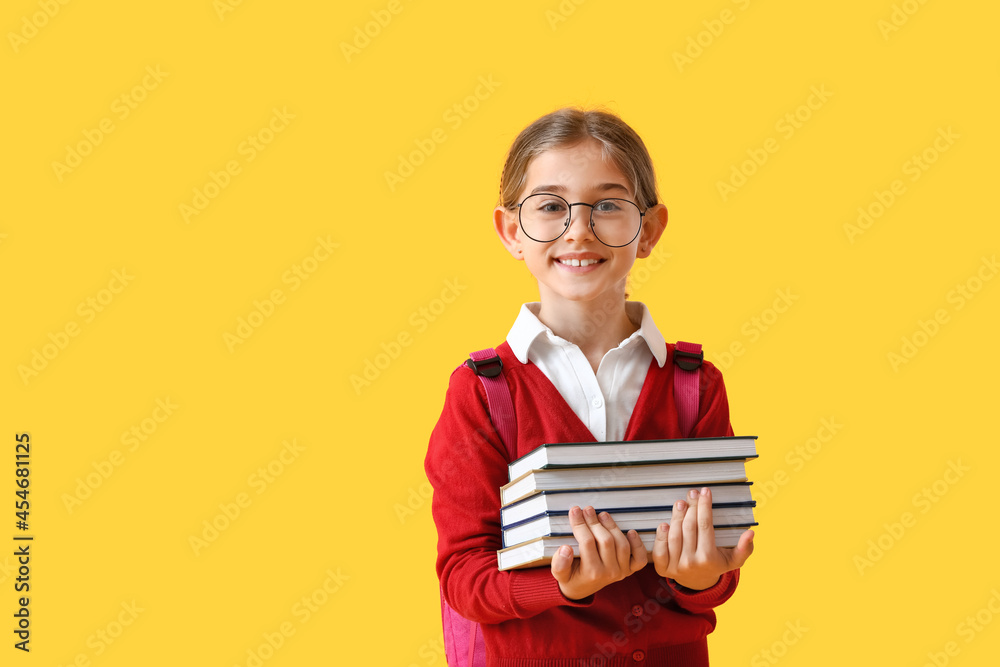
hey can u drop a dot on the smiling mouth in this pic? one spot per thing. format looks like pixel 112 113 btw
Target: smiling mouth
pixel 579 262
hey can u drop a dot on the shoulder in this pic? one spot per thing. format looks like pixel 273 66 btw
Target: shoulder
pixel 709 378
pixel 465 383
pixel 464 374
pixel 711 372
pixel 467 392
pixel 465 425
pixel 464 386
pixel 707 367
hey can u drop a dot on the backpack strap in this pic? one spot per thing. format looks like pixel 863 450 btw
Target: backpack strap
pixel 476 641
pixel 462 636
pixel 687 378
pixel 487 365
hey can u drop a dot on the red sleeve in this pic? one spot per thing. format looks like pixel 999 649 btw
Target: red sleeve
pixel 702 601
pixel 713 421
pixel 466 464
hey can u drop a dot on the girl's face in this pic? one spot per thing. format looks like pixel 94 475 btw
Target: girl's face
pixel 577 173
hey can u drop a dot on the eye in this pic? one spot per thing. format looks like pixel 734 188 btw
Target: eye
pixel 549 206
pixel 607 206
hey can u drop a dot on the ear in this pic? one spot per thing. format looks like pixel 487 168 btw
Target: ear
pixel 653 224
pixel 507 228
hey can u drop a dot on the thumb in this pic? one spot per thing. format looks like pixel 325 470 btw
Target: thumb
pixel 742 550
pixel 562 564
pixel 661 550
pixel 640 555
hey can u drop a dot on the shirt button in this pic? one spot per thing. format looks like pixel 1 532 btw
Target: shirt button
pixel 638 656
pixel 637 610
pixel 597 402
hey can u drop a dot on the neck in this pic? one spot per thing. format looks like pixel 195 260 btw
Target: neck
pixel 594 326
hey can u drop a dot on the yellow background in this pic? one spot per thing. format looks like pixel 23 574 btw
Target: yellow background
pixel 353 500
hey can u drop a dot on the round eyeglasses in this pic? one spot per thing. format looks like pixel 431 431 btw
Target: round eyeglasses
pixel 544 217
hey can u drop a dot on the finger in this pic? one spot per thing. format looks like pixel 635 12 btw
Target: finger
pixel 706 531
pixel 661 552
pixel 623 549
pixel 638 555
pixel 675 536
pixel 691 524
pixel 605 541
pixel 562 564
pixel 742 551
pixel 584 537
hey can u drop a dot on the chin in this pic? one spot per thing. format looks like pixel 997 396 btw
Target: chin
pixel 586 295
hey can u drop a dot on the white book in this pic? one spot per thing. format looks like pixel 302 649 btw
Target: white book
pixel 557 523
pixel 680 472
pixel 540 551
pixel 577 454
pixel 617 498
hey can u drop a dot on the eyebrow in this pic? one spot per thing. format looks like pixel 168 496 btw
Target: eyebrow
pixel 560 189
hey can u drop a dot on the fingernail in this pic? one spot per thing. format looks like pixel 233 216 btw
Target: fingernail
pixel 704 490
pixel 693 493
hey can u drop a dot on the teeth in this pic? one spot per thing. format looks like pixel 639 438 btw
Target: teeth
pixel 579 262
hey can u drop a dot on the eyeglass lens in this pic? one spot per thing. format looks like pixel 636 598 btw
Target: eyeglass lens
pixel 545 217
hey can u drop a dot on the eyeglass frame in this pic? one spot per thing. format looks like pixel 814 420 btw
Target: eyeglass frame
pixel 569 217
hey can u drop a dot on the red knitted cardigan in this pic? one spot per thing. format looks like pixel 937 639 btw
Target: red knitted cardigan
pixel 526 621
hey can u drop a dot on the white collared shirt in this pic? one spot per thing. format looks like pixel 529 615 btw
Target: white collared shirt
pixel 603 402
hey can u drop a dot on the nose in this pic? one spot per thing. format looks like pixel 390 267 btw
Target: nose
pixel 579 223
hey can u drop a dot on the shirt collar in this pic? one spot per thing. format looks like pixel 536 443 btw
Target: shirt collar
pixel 527 328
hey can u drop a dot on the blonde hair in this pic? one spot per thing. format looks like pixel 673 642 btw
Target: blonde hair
pixel 565 127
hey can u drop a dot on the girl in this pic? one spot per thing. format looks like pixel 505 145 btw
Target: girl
pixel 578 205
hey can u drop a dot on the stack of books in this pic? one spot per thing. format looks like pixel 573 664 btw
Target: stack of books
pixel 636 481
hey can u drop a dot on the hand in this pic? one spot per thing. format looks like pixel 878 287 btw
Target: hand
pixel 606 554
pixel 686 551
